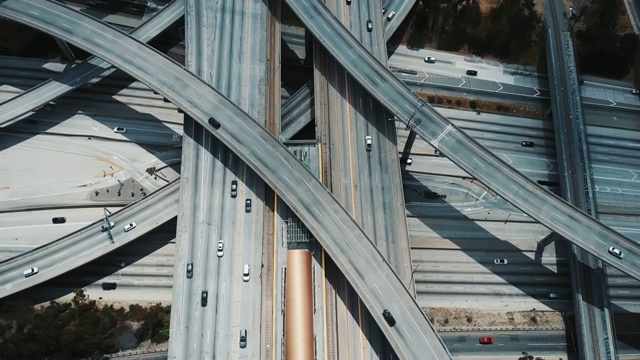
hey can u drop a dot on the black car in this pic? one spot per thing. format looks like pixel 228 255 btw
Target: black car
pixel 204 298
pixel 388 317
pixel 109 286
pixel 528 143
pixel 59 220
pixel 213 122
pixel 472 72
pixel 247 205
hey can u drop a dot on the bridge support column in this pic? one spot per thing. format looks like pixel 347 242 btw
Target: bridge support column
pixel 65 49
pixel 408 145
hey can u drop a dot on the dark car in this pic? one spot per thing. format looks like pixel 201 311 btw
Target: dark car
pixel 635 92
pixel 388 317
pixel 528 144
pixel 109 286
pixel 204 298
pixel 369 25
pixel 189 270
pixel 486 340
pixel 213 122
pixel 59 220
pixel 247 205
pixel 472 72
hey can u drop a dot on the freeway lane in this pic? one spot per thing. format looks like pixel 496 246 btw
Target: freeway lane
pixel 523 193
pixel 67 253
pixel 14 109
pixel 413 337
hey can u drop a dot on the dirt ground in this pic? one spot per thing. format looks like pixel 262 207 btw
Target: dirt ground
pixel 456 319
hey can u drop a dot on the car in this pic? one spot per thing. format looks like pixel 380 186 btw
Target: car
pixel 528 144
pixel 129 227
pixel 246 273
pixel 384 10
pixel 105 227
pixel 348 2
pixel 430 59
pixel 59 220
pixel 407 161
pixel 204 298
pixel 213 122
pixel 388 317
pixel 369 25
pixel 243 338
pixel 500 261
pixel 109 286
pixel 368 143
pixel 247 205
pixel 189 270
pixel 391 15
pixel 119 130
pixel 234 188
pixel 616 252
pixel 30 272
pixel 472 72
pixel 486 340
pixel 635 92
pixel 220 248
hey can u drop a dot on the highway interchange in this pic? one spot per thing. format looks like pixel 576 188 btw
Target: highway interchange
pixel 539 170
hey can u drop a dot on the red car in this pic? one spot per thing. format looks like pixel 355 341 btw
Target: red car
pixel 487 340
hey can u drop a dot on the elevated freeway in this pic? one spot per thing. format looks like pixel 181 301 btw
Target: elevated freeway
pixel 340 236
pixel 594 323
pixel 208 168
pixel 408 107
pixel 88 243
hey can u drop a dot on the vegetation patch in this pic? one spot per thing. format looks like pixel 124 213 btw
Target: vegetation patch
pixel 77 329
pixel 509 31
pixel 605 44
pixel 481 106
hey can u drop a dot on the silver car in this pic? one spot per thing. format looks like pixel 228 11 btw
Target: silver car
pixel 129 227
pixel 220 248
pixel 616 252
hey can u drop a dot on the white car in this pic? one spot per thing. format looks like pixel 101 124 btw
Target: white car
pixel 245 273
pixel 616 252
pixel 500 261
pixel 111 225
pixel 129 227
pixel 430 59
pixel 119 130
pixel 220 248
pixel 368 143
pixel 30 272
pixel 391 15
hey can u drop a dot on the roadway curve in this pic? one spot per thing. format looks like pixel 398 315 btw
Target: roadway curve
pixel 537 202
pixel 413 337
